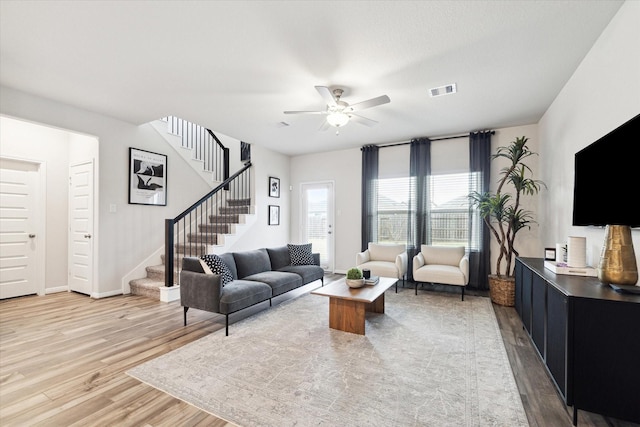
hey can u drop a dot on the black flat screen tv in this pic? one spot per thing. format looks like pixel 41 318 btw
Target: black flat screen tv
pixel 607 179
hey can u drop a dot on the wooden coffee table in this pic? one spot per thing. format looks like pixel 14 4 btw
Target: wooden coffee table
pixel 347 306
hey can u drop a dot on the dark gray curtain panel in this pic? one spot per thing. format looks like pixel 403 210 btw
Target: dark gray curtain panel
pixel 369 195
pixel 418 221
pixel 480 161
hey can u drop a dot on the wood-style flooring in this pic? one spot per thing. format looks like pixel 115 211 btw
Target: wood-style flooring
pixel 63 359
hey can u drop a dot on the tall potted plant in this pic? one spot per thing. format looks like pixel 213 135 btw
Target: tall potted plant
pixel 502 213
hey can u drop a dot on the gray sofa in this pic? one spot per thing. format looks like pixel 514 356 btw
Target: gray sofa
pixel 258 276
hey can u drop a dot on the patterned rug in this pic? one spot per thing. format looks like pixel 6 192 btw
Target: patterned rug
pixel 430 360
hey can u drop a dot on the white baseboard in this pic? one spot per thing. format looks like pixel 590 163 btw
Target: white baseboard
pixel 98 295
pixel 55 290
pixel 169 293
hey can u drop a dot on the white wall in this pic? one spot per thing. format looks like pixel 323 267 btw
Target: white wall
pixel 132 233
pixel 344 169
pixel 603 93
pixel 267 163
pixel 26 141
pixel 528 243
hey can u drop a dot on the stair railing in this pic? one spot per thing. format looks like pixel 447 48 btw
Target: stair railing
pixel 205 145
pixel 194 230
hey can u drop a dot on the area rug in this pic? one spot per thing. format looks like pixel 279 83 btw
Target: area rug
pixel 430 360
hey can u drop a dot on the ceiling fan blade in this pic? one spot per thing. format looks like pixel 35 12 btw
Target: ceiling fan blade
pixel 304 112
pixel 363 120
pixel 384 99
pixel 326 94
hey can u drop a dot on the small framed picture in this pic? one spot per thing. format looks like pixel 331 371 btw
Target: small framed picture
pixel 274 187
pixel 550 254
pixel 274 215
pixel 147 178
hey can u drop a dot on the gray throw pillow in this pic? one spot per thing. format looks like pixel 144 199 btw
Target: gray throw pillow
pixel 301 254
pixel 218 266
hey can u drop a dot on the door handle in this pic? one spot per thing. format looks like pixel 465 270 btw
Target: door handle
pixel 87 236
pixel 31 236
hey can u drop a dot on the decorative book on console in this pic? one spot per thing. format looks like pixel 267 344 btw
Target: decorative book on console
pixel 563 268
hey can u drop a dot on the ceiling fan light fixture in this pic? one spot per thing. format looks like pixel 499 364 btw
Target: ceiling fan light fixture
pixel 337 119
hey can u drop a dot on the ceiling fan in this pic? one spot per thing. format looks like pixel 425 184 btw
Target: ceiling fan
pixel 339 112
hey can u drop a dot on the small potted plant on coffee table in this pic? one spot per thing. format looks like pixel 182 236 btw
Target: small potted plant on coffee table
pixel 354 278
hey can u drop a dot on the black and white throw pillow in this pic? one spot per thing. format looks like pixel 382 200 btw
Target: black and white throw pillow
pixel 217 266
pixel 301 254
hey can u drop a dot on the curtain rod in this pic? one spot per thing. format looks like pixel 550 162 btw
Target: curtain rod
pixel 395 144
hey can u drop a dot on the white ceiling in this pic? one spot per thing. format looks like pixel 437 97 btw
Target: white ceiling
pixel 235 66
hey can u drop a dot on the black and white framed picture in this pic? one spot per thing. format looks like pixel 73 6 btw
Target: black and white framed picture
pixel 245 151
pixel 274 187
pixel 147 178
pixel 274 215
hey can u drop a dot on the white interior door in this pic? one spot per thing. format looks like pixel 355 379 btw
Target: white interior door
pixel 81 228
pixel 18 228
pixel 317 214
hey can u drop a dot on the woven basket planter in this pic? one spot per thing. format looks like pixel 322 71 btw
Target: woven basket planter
pixel 502 290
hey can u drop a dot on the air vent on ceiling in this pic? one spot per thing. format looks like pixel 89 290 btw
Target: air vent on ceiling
pixel 443 90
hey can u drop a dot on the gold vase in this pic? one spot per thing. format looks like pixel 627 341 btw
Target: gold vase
pixel 617 259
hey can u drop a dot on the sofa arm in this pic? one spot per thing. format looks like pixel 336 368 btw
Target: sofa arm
pixel 464 267
pixel 362 257
pixel 401 263
pixel 316 258
pixel 201 291
pixel 418 261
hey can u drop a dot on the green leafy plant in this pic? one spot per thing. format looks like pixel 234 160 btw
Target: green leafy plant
pixel 501 211
pixel 354 274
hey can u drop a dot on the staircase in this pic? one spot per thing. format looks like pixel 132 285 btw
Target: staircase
pixel 209 238
pixel 210 225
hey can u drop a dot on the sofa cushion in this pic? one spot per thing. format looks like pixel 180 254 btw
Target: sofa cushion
pixel 378 252
pixel 442 255
pixel 309 273
pixel 192 264
pixel 239 294
pixel 216 265
pixel 231 264
pixel 436 273
pixel 382 268
pixel 279 281
pixel 279 257
pixel 251 262
pixel 300 254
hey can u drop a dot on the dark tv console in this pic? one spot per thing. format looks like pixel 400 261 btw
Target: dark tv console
pixel 587 336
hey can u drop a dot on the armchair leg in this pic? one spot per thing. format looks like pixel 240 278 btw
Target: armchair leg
pixel 185 315
pixel 416 288
pixel 226 325
pixel 462 287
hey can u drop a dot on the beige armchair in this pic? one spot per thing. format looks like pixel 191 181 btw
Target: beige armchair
pixel 447 265
pixel 384 260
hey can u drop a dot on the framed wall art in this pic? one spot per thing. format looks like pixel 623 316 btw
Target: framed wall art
pixel 274 215
pixel 274 187
pixel 147 178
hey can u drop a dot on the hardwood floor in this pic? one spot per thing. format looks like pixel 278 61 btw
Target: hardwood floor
pixel 64 357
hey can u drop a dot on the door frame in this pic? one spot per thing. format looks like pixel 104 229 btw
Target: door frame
pixel 332 266
pixel 40 221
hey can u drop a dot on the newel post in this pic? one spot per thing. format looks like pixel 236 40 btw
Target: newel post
pixel 168 252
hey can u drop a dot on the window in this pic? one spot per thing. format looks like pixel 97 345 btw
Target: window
pixel 393 208
pixel 449 210
pixel 448 214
